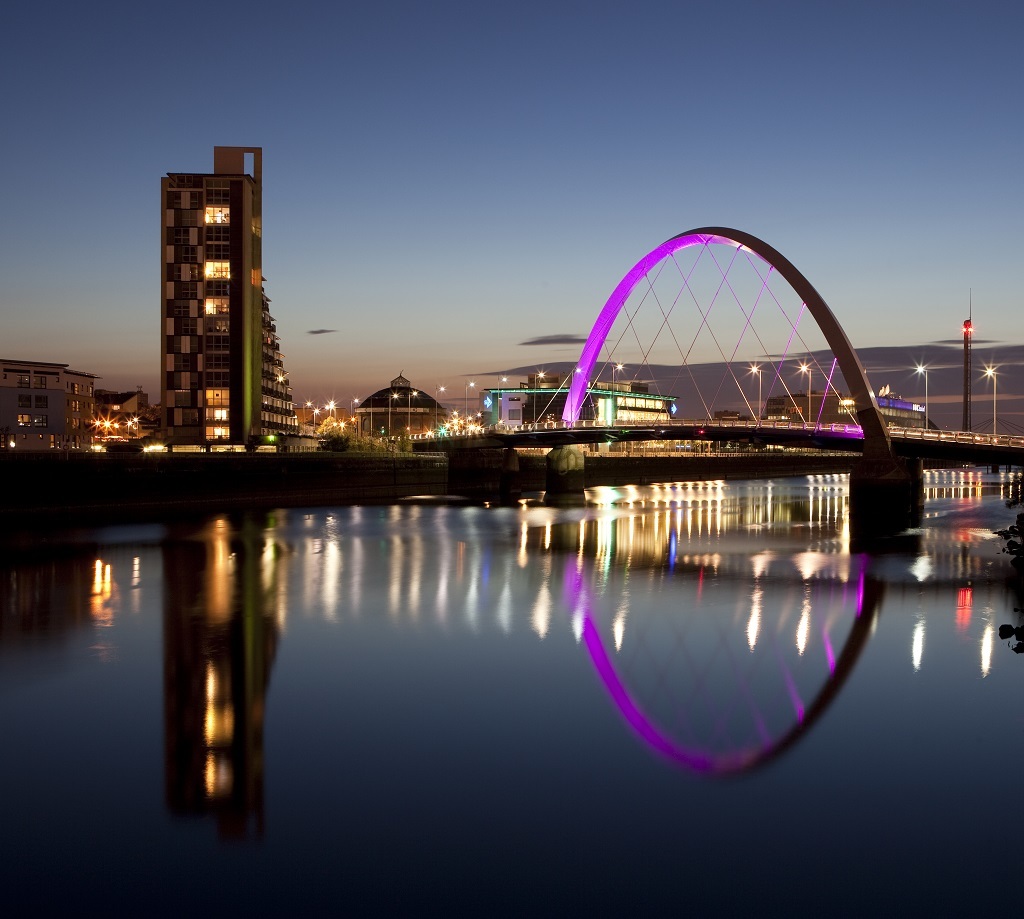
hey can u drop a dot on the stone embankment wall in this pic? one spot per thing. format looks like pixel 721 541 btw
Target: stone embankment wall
pixel 119 486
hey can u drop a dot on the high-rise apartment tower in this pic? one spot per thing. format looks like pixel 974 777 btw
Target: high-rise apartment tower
pixel 222 372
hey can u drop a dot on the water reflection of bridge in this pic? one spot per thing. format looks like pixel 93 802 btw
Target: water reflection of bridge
pixel 729 615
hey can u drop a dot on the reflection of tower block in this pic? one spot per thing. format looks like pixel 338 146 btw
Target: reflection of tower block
pixel 217 661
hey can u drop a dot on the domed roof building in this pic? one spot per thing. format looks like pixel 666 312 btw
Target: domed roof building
pixel 398 410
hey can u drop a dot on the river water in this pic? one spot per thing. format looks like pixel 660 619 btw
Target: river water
pixel 687 697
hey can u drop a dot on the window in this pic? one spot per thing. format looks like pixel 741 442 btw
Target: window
pixel 217 196
pixel 188 326
pixel 218 251
pixel 24 381
pixel 186 290
pixel 24 420
pixel 217 343
pixel 40 382
pixel 217 214
pixel 220 270
pixel 217 306
pixel 74 388
pixel 41 401
pixel 217 325
pixel 218 360
pixel 182 307
pixel 183 236
pixel 182 399
pixel 184 272
pixel 216 288
pixel 218 234
pixel 187 254
pixel 220 414
pixel 24 402
pixel 39 421
pixel 182 362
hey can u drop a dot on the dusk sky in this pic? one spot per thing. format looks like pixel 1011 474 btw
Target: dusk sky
pixel 444 181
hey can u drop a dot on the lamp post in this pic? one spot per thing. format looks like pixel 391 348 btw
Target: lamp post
pixel 394 396
pixel 616 370
pixel 990 372
pixel 352 413
pixel 540 376
pixel 330 407
pixel 756 369
pixel 805 368
pixel 470 385
pixel 437 391
pixel 408 413
pixel 922 370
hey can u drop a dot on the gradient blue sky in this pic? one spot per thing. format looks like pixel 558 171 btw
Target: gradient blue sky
pixel 443 181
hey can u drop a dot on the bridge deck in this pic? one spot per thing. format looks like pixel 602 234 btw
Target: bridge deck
pixel 965 446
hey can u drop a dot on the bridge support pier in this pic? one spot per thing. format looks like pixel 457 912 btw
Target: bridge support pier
pixel 882 496
pixel 510 486
pixel 565 481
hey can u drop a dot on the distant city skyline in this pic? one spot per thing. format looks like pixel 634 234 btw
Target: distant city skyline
pixel 450 189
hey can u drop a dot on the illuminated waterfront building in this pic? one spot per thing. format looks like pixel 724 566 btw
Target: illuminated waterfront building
pixel 45 406
pixel 541 400
pixel 222 371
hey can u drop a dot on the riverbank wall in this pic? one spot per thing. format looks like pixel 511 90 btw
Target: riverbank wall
pixel 104 487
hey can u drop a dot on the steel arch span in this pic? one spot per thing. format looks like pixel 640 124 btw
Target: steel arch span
pixel 876 438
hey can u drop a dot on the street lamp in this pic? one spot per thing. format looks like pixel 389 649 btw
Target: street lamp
pixel 352 413
pixel 394 396
pixel 921 369
pixel 437 391
pixel 805 368
pixel 470 385
pixel 408 413
pixel 990 372
pixel 330 407
pixel 756 369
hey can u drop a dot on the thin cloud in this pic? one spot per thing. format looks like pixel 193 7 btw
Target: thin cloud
pixel 554 340
pixel 321 331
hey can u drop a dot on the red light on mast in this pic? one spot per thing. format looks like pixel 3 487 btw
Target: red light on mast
pixel 968 328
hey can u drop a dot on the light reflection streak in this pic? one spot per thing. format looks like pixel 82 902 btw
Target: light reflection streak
pixel 917 644
pixel 987 641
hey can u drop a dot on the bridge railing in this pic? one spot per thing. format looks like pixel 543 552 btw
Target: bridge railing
pixel 958 437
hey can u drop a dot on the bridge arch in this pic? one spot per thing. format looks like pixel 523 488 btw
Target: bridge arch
pixel 876 437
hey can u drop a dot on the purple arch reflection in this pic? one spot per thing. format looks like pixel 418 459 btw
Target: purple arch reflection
pixel 876 436
pixel 869 594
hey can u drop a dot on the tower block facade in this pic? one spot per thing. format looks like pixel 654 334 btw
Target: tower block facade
pixel 222 374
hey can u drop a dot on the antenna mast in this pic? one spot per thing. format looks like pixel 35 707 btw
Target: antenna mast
pixel 968 330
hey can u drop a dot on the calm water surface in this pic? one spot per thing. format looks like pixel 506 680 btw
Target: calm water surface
pixel 689 697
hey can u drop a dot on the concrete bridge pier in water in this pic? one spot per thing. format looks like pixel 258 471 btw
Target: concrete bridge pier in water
pixel 565 480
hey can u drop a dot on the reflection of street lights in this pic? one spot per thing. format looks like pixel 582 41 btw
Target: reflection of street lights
pixel 990 372
pixel 756 369
pixel 921 369
pixel 470 385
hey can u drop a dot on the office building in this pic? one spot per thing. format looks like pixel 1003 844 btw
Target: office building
pixel 222 371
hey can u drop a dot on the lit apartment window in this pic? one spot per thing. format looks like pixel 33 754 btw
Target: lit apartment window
pixel 220 270
pixel 217 305
pixel 24 421
pixel 218 215
pixel 39 421
pixel 221 432
pixel 220 414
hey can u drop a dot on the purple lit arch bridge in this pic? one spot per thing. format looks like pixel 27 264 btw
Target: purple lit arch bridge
pixel 722 315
